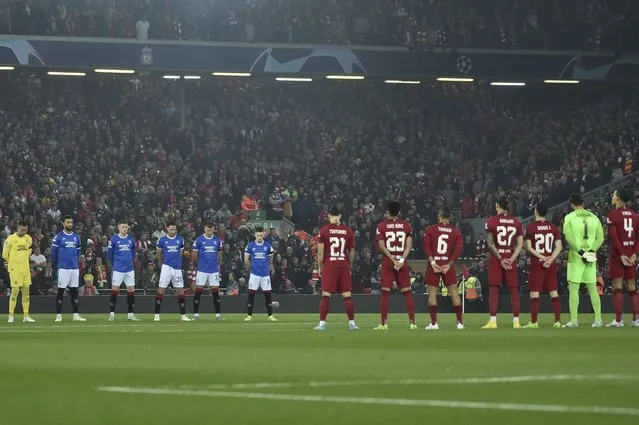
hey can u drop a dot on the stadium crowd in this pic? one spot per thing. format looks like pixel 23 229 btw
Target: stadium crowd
pixel 505 24
pixel 105 148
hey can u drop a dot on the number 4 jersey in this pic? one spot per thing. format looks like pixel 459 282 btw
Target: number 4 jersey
pixel 338 241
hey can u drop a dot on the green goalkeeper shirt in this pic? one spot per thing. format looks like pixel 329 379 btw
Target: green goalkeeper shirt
pixel 583 231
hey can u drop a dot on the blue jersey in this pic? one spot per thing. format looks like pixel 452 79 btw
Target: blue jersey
pixel 121 253
pixel 65 251
pixel 172 250
pixel 259 255
pixel 207 249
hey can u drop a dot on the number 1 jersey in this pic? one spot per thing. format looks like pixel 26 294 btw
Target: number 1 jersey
pixel 338 241
pixel 394 232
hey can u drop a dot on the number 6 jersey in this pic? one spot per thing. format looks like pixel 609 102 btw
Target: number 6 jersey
pixel 338 241
pixel 443 242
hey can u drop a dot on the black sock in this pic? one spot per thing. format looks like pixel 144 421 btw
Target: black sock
pixel 73 293
pixel 114 301
pixel 269 302
pixel 216 301
pixel 130 300
pixel 251 300
pixel 182 304
pixel 196 300
pixel 158 303
pixel 59 299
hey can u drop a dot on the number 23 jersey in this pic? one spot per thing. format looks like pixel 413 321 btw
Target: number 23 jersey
pixel 394 232
pixel 338 240
pixel 505 229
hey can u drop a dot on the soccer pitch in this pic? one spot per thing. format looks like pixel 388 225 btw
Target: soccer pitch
pixel 233 372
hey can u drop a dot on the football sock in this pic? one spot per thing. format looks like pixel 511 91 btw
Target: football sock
pixel 268 300
pixel 617 303
pixel 73 295
pixel 595 300
pixel 325 303
pixel 534 309
pixel 182 304
pixel 196 299
pixel 634 299
pixel 383 306
pixel 26 300
pixel 433 314
pixel 514 301
pixel 251 300
pixel 348 306
pixel 158 302
pixel 130 301
pixel 114 300
pixel 556 307
pixel 458 313
pixel 410 306
pixel 573 288
pixel 216 300
pixel 58 301
pixel 13 300
pixel 493 303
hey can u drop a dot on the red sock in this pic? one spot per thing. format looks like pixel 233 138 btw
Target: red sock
pixel 348 306
pixel 634 299
pixel 556 307
pixel 514 301
pixel 494 301
pixel 410 305
pixel 617 303
pixel 534 309
pixel 433 314
pixel 324 305
pixel 458 313
pixel 384 306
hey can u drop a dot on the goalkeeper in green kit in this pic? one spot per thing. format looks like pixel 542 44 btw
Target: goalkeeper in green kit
pixel 584 233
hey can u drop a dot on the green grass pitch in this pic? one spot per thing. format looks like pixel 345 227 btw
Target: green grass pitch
pixel 266 373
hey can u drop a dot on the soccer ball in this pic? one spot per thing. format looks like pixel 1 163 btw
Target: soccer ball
pixel 275 304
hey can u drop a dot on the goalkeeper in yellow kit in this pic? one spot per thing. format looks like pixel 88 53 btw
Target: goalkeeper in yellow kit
pixel 16 252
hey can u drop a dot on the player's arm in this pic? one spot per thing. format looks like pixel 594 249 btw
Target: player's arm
pixel 6 250
pixel 490 241
pixel 195 256
pixel 133 250
pixel 429 252
pixel 110 253
pixel 570 235
pixel 458 248
pixel 54 252
pixel 29 248
pixel 159 254
pixel 615 243
pixel 529 248
pixel 220 253
pixel 247 261
pixel 599 235
pixel 271 255
pixel 559 246
pixel 320 256
pixel 381 244
pixel 409 246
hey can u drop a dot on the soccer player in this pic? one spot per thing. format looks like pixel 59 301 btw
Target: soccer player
pixel 65 252
pixel 16 252
pixel 169 255
pixel 395 241
pixel 258 258
pixel 505 242
pixel 334 266
pixel 207 255
pixel 584 234
pixel 443 245
pixel 543 242
pixel 623 233
pixel 121 254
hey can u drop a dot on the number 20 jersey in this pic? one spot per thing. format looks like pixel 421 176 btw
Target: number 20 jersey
pixel 338 240
pixel 394 232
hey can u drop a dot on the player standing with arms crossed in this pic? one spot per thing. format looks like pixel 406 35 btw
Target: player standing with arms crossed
pixel 65 252
pixel 16 252
pixel 395 241
pixel 505 241
pixel 169 255
pixel 584 234
pixel 207 255
pixel 334 266
pixel 443 246
pixel 622 231
pixel 543 242
pixel 121 254
pixel 258 258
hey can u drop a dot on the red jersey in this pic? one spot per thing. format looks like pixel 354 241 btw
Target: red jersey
pixel 443 242
pixel 394 232
pixel 542 236
pixel 505 230
pixel 338 240
pixel 623 232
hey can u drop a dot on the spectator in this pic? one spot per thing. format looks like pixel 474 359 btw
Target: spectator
pixel 88 290
pixel 149 279
pixel 142 28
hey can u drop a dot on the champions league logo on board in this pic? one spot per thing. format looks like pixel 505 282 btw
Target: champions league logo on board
pixel 464 64
pixel 336 61
pixel 19 52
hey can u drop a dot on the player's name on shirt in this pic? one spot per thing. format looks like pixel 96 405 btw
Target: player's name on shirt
pixel 503 220
pixel 544 227
pixel 395 225
pixel 337 231
pixel 445 229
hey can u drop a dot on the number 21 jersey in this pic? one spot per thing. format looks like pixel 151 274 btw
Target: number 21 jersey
pixel 505 229
pixel 338 240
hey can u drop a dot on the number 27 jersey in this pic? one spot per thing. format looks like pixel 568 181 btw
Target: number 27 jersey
pixel 338 240
pixel 505 230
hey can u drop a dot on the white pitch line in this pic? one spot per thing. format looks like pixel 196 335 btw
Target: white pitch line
pixel 447 404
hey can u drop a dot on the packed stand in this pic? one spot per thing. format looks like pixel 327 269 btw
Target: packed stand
pixel 522 24
pixel 102 149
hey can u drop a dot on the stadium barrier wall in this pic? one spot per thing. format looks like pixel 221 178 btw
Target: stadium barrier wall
pixel 291 304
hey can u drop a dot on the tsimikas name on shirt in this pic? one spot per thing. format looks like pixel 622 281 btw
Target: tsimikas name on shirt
pixel 337 232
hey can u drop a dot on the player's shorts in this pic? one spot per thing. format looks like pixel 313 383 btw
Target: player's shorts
pixel 388 275
pixel 128 278
pixel 498 276
pixel 68 278
pixel 169 275
pixel 259 282
pixel 207 279
pixel 580 272
pixel 19 278
pixel 433 279
pixel 337 280
pixel 541 279
pixel 617 270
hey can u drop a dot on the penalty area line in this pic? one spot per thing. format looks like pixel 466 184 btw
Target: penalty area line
pixel 446 404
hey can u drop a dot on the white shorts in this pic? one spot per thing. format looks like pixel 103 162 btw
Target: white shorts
pixel 169 275
pixel 128 278
pixel 256 282
pixel 207 279
pixel 68 278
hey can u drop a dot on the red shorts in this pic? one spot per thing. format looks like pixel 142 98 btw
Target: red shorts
pixel 388 275
pixel 433 279
pixel 336 280
pixel 497 275
pixel 617 270
pixel 541 279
